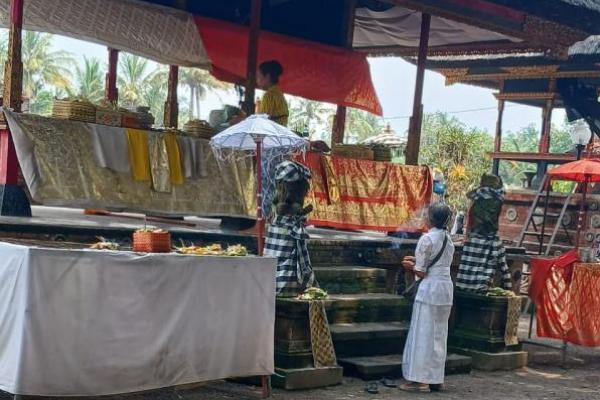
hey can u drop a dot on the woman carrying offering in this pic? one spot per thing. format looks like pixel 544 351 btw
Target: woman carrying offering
pixel 424 356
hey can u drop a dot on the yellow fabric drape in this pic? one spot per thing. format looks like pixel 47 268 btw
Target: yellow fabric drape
pixel 139 157
pixel 273 104
pixel 174 159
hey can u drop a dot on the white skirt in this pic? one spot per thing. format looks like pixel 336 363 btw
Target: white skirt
pixel 424 357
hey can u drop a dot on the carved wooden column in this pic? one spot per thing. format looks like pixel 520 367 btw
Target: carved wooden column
pixel 414 130
pixel 171 116
pixel 110 87
pixel 544 145
pixel 498 137
pixel 252 63
pixel 13 201
pixel 339 122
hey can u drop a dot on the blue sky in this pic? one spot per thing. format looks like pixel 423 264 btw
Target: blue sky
pixel 394 82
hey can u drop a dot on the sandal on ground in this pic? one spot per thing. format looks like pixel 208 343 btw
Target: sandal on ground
pixel 415 387
pixel 388 382
pixel 371 388
pixel 437 388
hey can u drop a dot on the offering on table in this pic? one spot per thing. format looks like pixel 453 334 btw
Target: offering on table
pixel 104 244
pixel 213 250
pixel 236 251
pixel 499 292
pixel 151 240
pixel 313 293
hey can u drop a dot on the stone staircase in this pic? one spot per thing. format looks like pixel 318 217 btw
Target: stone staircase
pixel 369 326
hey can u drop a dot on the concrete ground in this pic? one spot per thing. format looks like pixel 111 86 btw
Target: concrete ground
pixel 543 379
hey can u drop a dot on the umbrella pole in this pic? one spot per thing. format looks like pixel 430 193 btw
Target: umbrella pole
pixel 260 222
pixel 581 220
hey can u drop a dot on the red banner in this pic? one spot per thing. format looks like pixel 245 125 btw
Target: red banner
pixel 369 195
pixel 311 70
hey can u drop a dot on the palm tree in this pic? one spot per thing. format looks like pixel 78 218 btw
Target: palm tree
pixel 133 77
pixel 90 80
pixel 199 82
pixel 154 94
pixel 43 67
pixel 361 124
pixel 309 114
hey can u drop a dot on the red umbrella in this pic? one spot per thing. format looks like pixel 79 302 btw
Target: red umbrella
pixel 581 171
pixel 585 170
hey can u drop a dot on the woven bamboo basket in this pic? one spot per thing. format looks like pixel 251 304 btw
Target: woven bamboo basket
pixel 152 242
pixel 74 110
pixel 199 129
pixel 353 151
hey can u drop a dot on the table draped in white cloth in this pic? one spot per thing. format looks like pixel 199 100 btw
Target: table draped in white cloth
pixel 89 323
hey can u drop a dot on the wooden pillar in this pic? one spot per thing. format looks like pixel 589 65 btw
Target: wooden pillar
pixel 112 93
pixel 339 122
pixel 171 116
pixel 498 137
pixel 414 130
pixel 544 146
pixel 13 201
pixel 252 64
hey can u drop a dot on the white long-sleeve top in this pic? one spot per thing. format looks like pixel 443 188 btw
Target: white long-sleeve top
pixel 436 288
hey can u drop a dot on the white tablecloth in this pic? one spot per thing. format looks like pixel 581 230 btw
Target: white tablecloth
pixel 97 323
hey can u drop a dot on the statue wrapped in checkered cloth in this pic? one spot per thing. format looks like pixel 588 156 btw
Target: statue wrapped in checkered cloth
pixel 286 234
pixel 483 257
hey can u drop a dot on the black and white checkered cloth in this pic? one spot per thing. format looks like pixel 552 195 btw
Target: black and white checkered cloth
pixel 291 171
pixel 482 257
pixel 287 241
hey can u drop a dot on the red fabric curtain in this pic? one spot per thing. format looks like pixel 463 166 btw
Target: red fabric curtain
pixel 311 70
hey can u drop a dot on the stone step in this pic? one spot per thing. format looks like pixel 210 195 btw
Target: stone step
pixel 376 367
pixel 368 338
pixel 351 279
pixel 351 308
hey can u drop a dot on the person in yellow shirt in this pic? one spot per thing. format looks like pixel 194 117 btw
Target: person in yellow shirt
pixel 273 102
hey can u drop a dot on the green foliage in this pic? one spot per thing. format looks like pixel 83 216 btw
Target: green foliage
pixel 527 140
pixel 456 150
pixel 90 80
pixel 309 114
pixel 361 125
pixel 198 82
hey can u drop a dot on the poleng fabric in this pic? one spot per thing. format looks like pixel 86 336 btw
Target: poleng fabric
pixel 139 157
pixel 287 241
pixel 273 104
pixel 320 335
pixel 310 70
pixel 174 159
pixel 482 257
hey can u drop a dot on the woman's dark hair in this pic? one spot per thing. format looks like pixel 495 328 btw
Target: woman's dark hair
pixel 272 68
pixel 439 215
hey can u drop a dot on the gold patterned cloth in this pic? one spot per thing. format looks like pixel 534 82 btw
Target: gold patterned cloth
pixel 159 164
pixel 60 168
pixel 320 335
pixel 370 195
pixel 511 337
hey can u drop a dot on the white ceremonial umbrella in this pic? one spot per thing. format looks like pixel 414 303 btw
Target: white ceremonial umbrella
pixel 255 133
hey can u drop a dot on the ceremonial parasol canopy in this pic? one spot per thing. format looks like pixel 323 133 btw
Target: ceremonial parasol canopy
pixel 256 132
pixel 585 170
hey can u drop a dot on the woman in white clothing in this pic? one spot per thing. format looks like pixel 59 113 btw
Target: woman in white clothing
pixel 424 356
